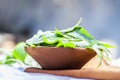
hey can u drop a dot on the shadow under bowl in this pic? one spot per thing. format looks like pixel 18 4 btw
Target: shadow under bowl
pixel 60 58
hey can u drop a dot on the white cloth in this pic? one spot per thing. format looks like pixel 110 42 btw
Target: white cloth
pixel 9 73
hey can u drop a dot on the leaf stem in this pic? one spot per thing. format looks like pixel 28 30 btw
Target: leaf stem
pixel 78 23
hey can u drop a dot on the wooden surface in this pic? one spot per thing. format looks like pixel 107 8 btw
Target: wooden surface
pixel 89 70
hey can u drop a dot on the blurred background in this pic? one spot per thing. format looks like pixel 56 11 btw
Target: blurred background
pixel 20 19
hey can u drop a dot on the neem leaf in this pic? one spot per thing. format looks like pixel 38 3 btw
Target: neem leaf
pixel 60 43
pixel 99 53
pixel 86 34
pixel 69 45
pixel 50 40
pixel 10 61
pixel 107 45
pixel 19 52
pixel 36 39
pixel 58 33
pixel 75 35
pixel 83 44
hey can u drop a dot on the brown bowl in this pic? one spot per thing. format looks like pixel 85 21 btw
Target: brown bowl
pixel 60 58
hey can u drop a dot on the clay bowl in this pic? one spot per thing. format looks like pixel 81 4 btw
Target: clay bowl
pixel 60 58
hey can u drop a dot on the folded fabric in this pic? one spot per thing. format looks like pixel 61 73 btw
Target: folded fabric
pixel 9 73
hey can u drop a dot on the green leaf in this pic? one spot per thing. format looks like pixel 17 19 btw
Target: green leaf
pixel 1 62
pixel 19 52
pixel 50 40
pixel 58 33
pixel 107 45
pixel 69 45
pixel 60 43
pixel 10 61
pixel 36 39
pixel 99 53
pixel 83 44
pixel 86 34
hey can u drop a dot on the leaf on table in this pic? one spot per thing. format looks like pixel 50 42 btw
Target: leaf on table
pixel 19 52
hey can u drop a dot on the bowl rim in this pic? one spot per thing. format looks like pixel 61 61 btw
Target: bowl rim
pixel 59 47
